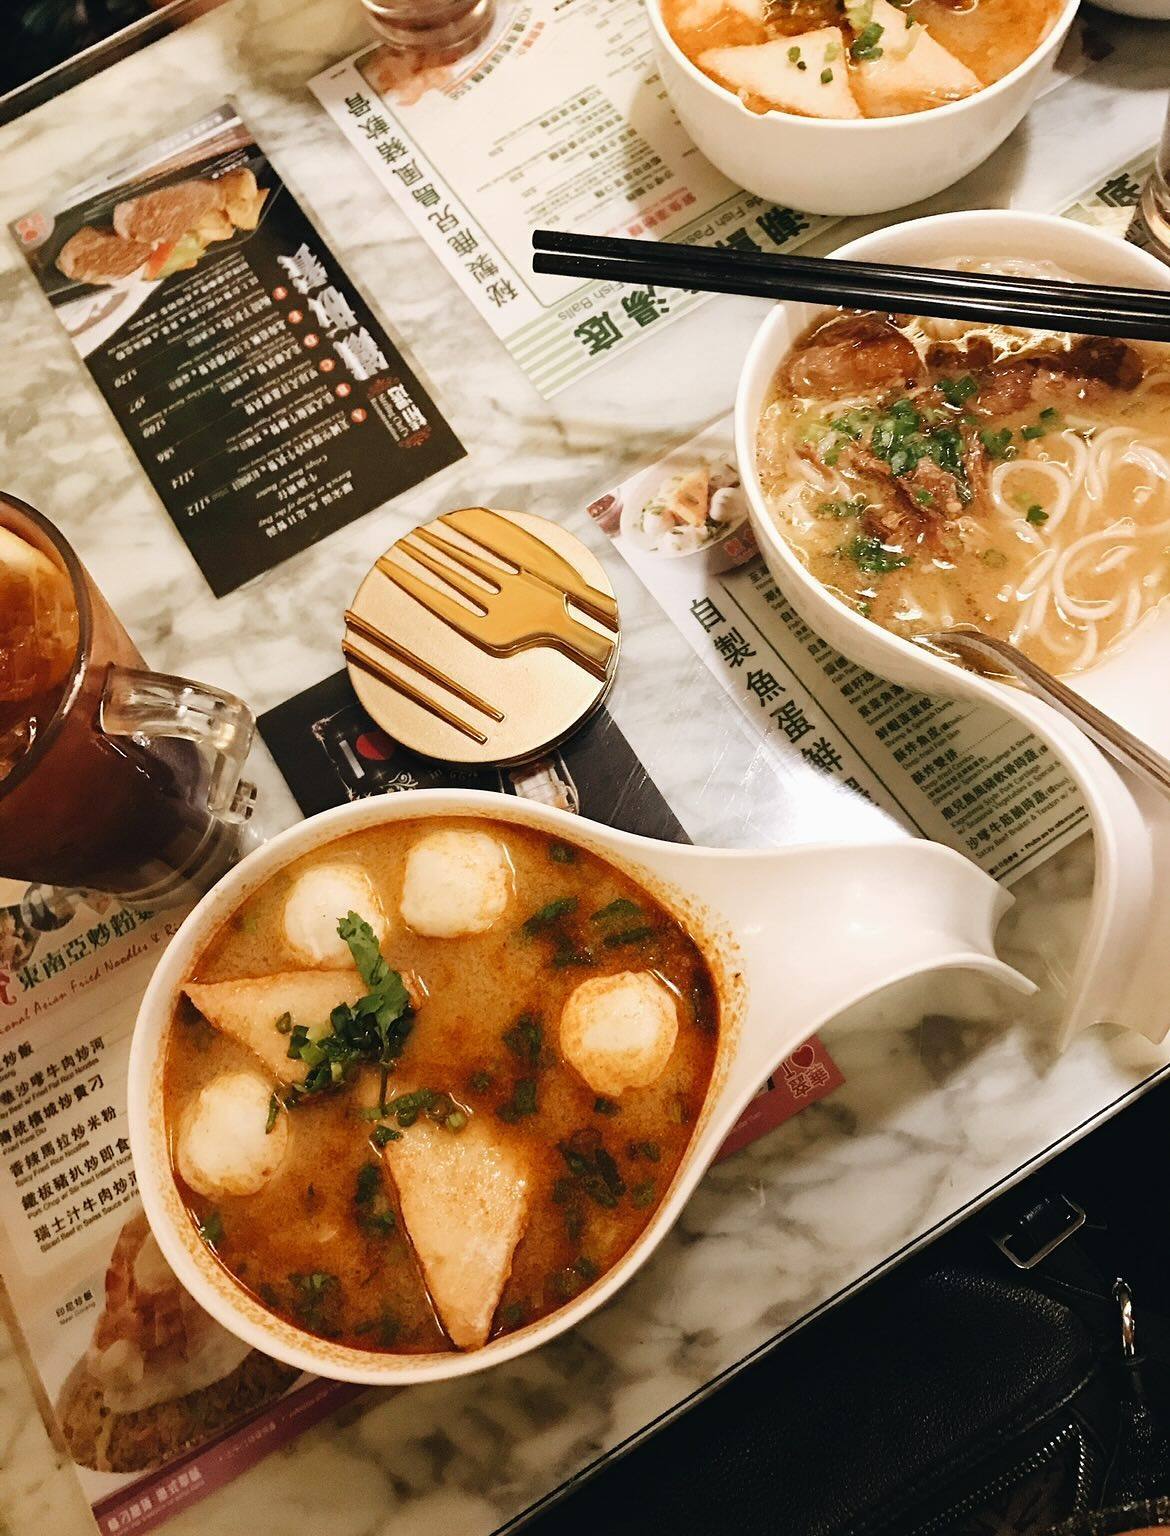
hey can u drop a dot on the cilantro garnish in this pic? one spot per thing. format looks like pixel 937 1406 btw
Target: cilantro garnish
pixel 373 1031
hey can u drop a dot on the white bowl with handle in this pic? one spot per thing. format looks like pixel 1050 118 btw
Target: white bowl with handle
pixel 793 936
pixel 859 165
pixel 1117 978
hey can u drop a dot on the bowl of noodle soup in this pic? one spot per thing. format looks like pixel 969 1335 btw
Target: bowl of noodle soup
pixel 907 474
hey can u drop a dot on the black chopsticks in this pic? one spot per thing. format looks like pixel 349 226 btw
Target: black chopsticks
pixel 1038 303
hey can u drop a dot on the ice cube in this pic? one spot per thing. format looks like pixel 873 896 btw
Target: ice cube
pixel 38 620
pixel 15 741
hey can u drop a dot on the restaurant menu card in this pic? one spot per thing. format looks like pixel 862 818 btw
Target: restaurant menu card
pixel 558 121
pixel 73 967
pixel 965 775
pixel 330 751
pixel 258 390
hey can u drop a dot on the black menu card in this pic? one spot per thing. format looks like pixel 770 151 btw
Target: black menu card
pixel 260 394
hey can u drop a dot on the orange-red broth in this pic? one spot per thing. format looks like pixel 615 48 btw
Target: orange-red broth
pixel 306 1221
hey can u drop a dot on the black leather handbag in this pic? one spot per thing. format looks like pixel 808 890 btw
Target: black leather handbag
pixel 1000 1391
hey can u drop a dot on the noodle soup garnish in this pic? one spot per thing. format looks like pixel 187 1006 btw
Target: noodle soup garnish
pixel 933 473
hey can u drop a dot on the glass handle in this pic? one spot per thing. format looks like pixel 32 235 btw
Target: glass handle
pixel 147 706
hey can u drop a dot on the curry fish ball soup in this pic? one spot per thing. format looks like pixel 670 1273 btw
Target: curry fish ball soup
pixel 932 473
pixel 431 1081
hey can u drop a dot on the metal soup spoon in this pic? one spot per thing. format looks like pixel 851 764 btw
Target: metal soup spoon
pixel 992 657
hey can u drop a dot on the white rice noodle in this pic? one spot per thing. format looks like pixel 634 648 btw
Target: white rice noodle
pixel 1052 609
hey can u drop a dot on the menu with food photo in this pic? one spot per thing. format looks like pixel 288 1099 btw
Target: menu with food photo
pixel 143 1386
pixel 262 397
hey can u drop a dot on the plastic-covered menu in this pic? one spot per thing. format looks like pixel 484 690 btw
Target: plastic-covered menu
pixel 262 397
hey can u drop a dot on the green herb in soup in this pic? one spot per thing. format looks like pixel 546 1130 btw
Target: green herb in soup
pixel 400 1125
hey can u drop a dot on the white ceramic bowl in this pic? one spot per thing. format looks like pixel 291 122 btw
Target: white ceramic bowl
pixel 898 908
pixel 1143 10
pixel 868 165
pixel 1113 979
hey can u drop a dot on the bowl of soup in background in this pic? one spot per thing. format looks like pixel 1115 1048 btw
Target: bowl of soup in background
pixel 777 969
pixel 1124 683
pixel 851 166
pixel 1141 10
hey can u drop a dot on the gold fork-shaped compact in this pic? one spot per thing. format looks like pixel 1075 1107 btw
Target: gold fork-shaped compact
pixel 483 637
pixel 522 598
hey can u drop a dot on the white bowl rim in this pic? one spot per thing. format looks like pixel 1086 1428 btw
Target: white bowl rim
pixel 1049 43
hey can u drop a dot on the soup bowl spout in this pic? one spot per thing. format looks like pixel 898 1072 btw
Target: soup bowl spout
pixel 819 928
pixel 790 937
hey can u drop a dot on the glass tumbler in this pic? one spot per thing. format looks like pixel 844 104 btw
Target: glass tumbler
pixel 1155 203
pixel 132 782
pixel 439 30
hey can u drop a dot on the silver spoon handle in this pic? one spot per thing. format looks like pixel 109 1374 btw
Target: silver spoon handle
pixel 1111 737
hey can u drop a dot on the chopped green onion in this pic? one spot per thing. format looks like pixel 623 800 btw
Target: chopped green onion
pixel 525 1038
pixel 550 913
pixel 826 76
pixel 211 1230
pixel 273 1111
pixel 523 1101
pixel 869 554
pixel 956 391
pixel 865 45
pixel 636 935
pixel 998 444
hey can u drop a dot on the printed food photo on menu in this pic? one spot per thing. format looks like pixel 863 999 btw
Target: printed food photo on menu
pixel 584 773
pixel 159 1377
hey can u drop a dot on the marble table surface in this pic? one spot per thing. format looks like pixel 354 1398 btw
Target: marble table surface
pixel 950 1092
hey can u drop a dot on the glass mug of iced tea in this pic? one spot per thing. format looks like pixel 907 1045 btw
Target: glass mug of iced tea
pixel 112 778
